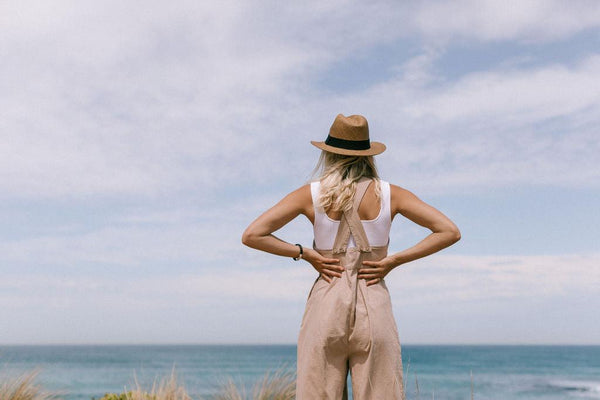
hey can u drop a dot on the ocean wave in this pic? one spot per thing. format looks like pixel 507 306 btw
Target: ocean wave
pixel 588 389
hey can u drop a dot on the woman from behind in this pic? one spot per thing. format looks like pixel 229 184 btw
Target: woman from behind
pixel 348 324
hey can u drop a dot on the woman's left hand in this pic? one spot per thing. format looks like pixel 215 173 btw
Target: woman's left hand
pixel 376 270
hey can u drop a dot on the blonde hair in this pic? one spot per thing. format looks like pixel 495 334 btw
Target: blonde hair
pixel 339 175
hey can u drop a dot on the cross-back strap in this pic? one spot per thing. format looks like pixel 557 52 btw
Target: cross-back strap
pixel 350 223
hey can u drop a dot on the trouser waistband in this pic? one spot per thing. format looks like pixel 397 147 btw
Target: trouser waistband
pixel 353 257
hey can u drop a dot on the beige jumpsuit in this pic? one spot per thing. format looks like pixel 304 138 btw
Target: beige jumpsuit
pixel 349 326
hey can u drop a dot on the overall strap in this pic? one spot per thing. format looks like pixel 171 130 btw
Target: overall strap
pixel 350 223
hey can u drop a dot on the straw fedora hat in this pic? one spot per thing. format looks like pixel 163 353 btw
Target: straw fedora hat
pixel 350 136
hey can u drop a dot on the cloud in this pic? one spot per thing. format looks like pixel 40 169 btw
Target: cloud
pixel 185 122
pixel 493 128
pixel 98 103
pixel 468 296
pixel 145 239
pixel 123 99
pixel 522 96
pixel 111 105
pixel 433 280
pixel 475 278
pixel 526 21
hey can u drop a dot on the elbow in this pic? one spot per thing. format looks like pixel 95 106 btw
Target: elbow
pixel 248 237
pixel 455 235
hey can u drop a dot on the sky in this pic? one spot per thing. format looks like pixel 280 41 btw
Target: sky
pixel 138 139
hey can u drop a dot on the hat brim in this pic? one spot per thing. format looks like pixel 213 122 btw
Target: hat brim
pixel 376 148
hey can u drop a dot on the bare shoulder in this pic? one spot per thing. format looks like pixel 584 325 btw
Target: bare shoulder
pixel 401 198
pixel 300 199
pixel 302 193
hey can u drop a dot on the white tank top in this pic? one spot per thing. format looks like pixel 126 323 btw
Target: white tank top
pixel 377 230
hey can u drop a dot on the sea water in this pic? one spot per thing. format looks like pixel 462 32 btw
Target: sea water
pixel 499 372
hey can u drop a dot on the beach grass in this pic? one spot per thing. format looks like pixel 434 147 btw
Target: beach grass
pixel 167 388
pixel 274 385
pixel 25 387
pixel 277 385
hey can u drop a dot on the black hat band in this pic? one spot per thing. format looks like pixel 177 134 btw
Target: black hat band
pixel 348 144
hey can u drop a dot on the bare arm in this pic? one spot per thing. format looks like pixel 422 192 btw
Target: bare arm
pixel 259 234
pixel 443 234
pixel 443 231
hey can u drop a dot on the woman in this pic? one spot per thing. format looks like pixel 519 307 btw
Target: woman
pixel 348 324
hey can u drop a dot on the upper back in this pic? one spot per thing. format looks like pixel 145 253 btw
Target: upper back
pixel 368 209
pixel 374 213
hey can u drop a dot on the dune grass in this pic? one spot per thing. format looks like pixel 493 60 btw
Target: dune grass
pixel 277 385
pixel 25 387
pixel 167 388
pixel 274 385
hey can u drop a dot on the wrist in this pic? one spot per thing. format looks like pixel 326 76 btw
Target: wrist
pixel 307 256
pixel 395 262
pixel 300 252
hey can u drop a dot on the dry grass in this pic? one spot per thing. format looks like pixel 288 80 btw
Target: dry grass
pixel 25 387
pixel 168 388
pixel 277 385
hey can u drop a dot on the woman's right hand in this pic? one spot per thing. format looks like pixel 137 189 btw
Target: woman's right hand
pixel 327 267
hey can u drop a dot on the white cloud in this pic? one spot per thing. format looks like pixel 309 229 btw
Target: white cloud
pixel 120 99
pixel 519 96
pixel 129 98
pixel 474 278
pixel 433 289
pixel 522 20
pixel 489 129
pixel 114 102
pixel 432 280
pixel 195 103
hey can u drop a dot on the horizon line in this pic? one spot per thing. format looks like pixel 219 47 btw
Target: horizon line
pixel 284 344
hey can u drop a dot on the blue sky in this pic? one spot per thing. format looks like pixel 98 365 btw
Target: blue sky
pixel 139 139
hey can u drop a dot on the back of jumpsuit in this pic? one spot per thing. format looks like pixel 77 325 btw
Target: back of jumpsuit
pixel 348 326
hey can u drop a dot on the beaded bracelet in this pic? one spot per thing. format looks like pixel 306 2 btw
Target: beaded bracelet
pixel 301 252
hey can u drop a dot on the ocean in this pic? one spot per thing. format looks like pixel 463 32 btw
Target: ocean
pixel 498 372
